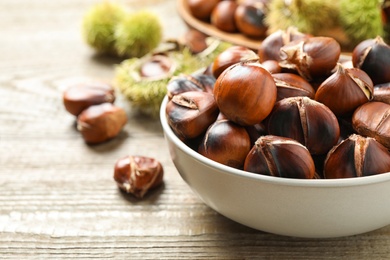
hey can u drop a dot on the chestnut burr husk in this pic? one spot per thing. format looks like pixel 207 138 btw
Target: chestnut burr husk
pixel 245 93
pixel 292 85
pixel 269 48
pixel 222 16
pixel 373 56
pixel 306 121
pixel 227 143
pixel 230 56
pixel 250 20
pixel 189 114
pixel 99 123
pixel 138 174
pixel 356 156
pixel 311 57
pixel 280 157
pixel 373 119
pixel 345 90
pixel 81 96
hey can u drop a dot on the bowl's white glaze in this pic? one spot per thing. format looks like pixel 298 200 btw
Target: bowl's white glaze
pixel 303 208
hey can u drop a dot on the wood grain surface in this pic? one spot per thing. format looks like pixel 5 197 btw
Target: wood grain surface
pixel 58 199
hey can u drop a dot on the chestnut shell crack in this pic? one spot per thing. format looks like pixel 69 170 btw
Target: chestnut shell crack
pixel 185 102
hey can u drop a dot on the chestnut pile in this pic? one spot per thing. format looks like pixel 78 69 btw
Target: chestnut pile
pixel 294 109
pixel 244 16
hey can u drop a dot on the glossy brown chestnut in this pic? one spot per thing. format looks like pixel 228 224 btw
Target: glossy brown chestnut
pixel 280 157
pixel 99 123
pixel 222 16
pixel 195 40
pixel 185 83
pixel 156 67
pixel 306 121
pixel 345 90
pixel 202 9
pixel 272 66
pixel 373 56
pixel 250 20
pixel 245 93
pixel 270 47
pixel 373 119
pixel 292 85
pixel 81 96
pixel 189 114
pixel 231 56
pixel 138 174
pixel 382 93
pixel 227 143
pixel 311 57
pixel 356 156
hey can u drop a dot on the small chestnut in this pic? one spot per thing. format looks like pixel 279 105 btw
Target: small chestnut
pixel 306 121
pixel 156 67
pixel 280 157
pixel 226 142
pixel 202 9
pixel 356 156
pixel 138 174
pixel 196 41
pixel 222 16
pixel 311 57
pixel 99 123
pixel 373 56
pixel 292 85
pixel 373 119
pixel 189 114
pixel 345 90
pixel 250 20
pixel 245 93
pixel 79 97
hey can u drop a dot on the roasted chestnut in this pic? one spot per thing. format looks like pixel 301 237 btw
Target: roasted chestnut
pixel 292 85
pixel 373 119
pixel 280 157
pixel 306 121
pixel 373 56
pixel 230 56
pixel 245 93
pixel 250 20
pixel 345 90
pixel 356 156
pixel 227 143
pixel 311 57
pixel 222 16
pixel 189 114
pixel 99 123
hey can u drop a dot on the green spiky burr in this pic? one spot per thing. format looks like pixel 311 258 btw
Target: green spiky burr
pixel 138 34
pixel 145 95
pixel 361 19
pixel 98 26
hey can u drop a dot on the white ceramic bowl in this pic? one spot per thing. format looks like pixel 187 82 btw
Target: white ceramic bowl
pixel 291 207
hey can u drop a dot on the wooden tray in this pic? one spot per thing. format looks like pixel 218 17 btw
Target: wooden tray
pixel 208 29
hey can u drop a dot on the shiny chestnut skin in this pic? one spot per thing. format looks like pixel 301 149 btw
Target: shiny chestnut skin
pixel 195 40
pixel 226 142
pixel 250 20
pixel 306 121
pixel 231 56
pixel 138 174
pixel 311 57
pixel 356 156
pixel 373 119
pixel 382 93
pixel 373 56
pixel 345 90
pixel 222 16
pixel 185 83
pixel 269 48
pixel 202 9
pixel 280 157
pixel 81 96
pixel 99 123
pixel 189 114
pixel 245 93
pixel 292 85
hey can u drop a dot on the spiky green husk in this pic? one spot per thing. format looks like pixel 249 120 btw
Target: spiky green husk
pixel 138 34
pixel 361 20
pixel 145 95
pixel 98 26
pixel 308 16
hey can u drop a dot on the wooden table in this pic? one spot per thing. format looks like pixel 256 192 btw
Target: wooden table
pixel 57 195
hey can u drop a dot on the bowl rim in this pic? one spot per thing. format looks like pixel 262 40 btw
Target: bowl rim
pixel 345 182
